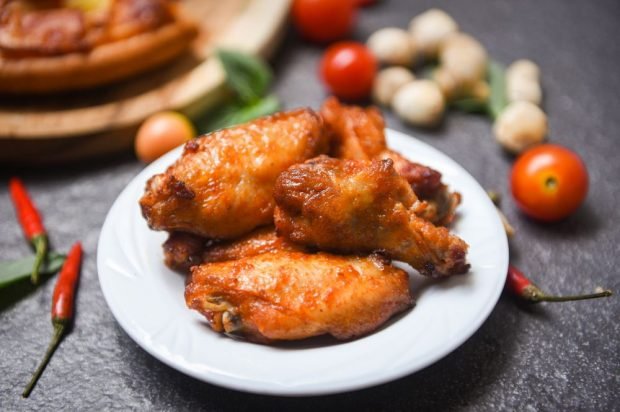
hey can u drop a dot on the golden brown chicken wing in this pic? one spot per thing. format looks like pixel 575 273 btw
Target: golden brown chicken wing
pixel 287 295
pixel 184 250
pixel 426 183
pixel 222 185
pixel 361 206
pixel 358 133
pixel 355 132
pixel 262 240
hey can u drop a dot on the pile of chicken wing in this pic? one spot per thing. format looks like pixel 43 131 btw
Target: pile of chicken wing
pixel 288 224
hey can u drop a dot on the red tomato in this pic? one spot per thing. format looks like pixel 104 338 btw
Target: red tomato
pixel 549 182
pixel 160 133
pixel 324 20
pixel 348 70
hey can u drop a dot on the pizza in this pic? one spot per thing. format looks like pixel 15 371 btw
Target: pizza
pixel 58 45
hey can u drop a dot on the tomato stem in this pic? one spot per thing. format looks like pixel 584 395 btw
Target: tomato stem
pixel 551 183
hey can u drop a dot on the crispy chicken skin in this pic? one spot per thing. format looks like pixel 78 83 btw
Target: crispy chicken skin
pixel 262 240
pixel 356 206
pixel 358 133
pixel 184 250
pixel 355 133
pixel 221 186
pixel 426 183
pixel 288 295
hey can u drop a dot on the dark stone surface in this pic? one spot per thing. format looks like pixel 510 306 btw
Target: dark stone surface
pixel 549 357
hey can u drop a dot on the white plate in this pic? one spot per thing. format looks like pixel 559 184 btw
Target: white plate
pixel 147 300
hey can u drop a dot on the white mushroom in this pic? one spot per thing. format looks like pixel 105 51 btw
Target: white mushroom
pixel 429 29
pixel 523 82
pixel 520 125
pixel 480 90
pixel 392 46
pixel 452 90
pixel 524 68
pixel 420 103
pixel 388 81
pixel 465 58
pixel 447 83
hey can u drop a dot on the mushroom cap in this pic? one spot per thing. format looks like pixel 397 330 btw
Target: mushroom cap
pixel 428 29
pixel 523 82
pixel 388 81
pixel 524 68
pixel 420 103
pixel 520 125
pixel 464 57
pixel 392 45
pixel 524 90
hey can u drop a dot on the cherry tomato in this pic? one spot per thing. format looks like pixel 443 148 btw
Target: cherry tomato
pixel 549 182
pixel 324 20
pixel 161 133
pixel 348 70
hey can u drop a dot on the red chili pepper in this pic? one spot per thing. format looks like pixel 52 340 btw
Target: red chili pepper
pixel 521 286
pixel 62 307
pixel 31 223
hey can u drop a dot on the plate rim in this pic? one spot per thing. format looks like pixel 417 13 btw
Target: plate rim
pixel 294 391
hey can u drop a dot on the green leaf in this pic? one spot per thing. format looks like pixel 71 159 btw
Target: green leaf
pixel 236 112
pixel 14 271
pixel 497 81
pixel 246 75
pixel 470 105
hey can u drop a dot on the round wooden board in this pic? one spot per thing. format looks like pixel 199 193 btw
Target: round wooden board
pixel 81 125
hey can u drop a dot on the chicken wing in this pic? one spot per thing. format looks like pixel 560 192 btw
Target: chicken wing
pixel 426 183
pixel 262 240
pixel 360 206
pixel 287 295
pixel 184 250
pixel 221 187
pixel 358 133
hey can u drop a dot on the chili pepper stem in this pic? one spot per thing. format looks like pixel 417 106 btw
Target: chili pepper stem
pixel 59 330
pixel 40 246
pixel 535 295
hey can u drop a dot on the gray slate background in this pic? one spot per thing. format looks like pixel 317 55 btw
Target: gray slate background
pixel 545 358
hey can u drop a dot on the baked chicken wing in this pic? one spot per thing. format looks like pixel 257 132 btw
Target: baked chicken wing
pixel 184 250
pixel 351 206
pixel 221 186
pixel 287 295
pixel 358 133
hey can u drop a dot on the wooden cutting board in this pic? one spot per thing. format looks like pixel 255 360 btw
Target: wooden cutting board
pixel 82 125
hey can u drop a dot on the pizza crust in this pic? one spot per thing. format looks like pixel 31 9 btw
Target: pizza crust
pixel 106 63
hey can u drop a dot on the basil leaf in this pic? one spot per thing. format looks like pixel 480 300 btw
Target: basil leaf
pixel 237 112
pixel 497 81
pixel 14 271
pixel 470 105
pixel 246 75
